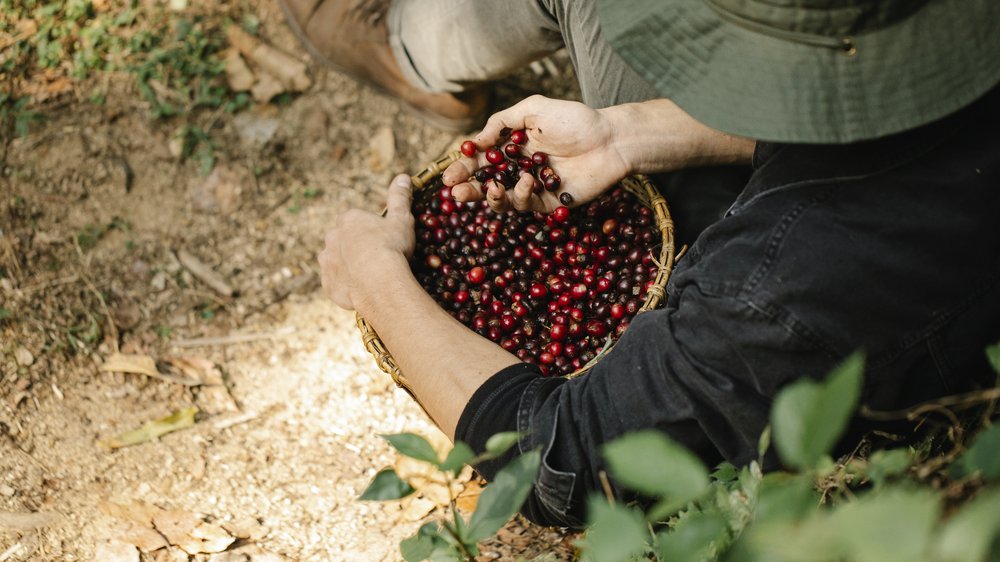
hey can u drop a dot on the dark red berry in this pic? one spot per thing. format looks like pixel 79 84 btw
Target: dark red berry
pixel 561 214
pixel 519 136
pixel 476 275
pixel 552 183
pixel 469 148
pixel 494 156
pixel 540 158
pixel 512 151
pixel 565 198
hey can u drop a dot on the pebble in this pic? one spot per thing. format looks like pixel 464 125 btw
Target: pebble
pixel 6 491
pixel 23 357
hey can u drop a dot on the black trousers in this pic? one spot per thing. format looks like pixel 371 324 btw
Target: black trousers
pixel 891 246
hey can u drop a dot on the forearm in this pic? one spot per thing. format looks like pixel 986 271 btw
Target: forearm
pixel 657 136
pixel 444 361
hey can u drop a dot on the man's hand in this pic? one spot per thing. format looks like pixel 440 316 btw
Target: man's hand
pixel 578 140
pixel 592 149
pixel 358 248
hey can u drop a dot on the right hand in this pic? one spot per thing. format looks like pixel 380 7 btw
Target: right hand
pixel 577 138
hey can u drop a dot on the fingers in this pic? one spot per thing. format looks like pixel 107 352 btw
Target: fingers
pixel 471 190
pixel 460 170
pixel 514 117
pixel 496 196
pixel 400 197
pixel 521 197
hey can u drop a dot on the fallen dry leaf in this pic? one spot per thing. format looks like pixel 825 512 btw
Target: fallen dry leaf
pixel 196 368
pixel 265 88
pixel 180 419
pixel 238 74
pixel 136 364
pixel 136 512
pixel 145 538
pixel 139 364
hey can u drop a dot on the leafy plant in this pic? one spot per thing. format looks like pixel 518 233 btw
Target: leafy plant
pixel 453 537
pixel 862 509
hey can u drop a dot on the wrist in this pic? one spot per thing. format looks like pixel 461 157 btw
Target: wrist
pixel 375 275
pixel 657 136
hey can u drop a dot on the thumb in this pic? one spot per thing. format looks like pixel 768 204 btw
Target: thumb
pixel 400 197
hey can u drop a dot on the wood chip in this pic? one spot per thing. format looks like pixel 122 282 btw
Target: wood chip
pixel 289 71
pixel 27 521
pixel 116 551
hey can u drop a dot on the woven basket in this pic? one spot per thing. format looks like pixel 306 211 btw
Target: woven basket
pixel 639 186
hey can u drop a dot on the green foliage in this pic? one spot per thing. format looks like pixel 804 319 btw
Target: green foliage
pixel 616 533
pixel 667 472
pixel 413 446
pixel 504 496
pixel 808 417
pixel 870 509
pixel 455 538
pixel 175 58
pixel 983 457
pixel 387 486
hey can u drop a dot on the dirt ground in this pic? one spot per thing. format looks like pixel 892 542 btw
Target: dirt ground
pixel 97 216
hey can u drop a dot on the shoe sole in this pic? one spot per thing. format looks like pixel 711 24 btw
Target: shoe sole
pixel 435 119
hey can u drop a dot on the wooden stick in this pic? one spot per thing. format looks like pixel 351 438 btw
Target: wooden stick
pixel 204 273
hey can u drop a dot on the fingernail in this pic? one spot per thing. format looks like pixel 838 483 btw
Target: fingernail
pixel 402 180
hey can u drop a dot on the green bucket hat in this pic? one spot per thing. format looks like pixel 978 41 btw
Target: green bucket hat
pixel 811 71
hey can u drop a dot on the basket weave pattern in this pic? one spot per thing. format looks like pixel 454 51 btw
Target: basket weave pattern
pixel 640 186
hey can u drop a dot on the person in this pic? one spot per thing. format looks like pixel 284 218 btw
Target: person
pixel 869 221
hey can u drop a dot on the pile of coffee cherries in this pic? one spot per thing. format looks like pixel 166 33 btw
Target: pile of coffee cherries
pixel 553 289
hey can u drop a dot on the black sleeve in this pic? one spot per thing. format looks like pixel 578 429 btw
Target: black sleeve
pixel 683 371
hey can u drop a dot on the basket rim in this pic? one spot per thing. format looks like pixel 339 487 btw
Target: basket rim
pixel 638 184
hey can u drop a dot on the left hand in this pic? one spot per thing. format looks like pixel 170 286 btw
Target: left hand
pixel 362 244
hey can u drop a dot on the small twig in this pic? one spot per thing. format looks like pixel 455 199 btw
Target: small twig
pixel 606 486
pixel 236 420
pixel 204 273
pixel 965 400
pixel 11 552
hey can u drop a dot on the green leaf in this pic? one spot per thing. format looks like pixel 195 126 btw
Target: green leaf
pixel 650 463
pixel 724 472
pixel 808 417
pixel 459 455
pixel 504 496
pixel 420 546
pixel 387 486
pixel 615 532
pixel 690 540
pixel 5 313
pixel 413 446
pixel 498 444
pixel 993 354
pixel 785 497
pixel 894 526
pixel 983 456
pixel 178 420
pixel 884 465
pixel 764 443
pixel 970 533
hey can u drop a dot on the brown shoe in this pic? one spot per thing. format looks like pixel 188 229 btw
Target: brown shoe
pixel 350 36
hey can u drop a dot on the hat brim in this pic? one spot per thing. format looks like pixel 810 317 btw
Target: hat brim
pixel 932 63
